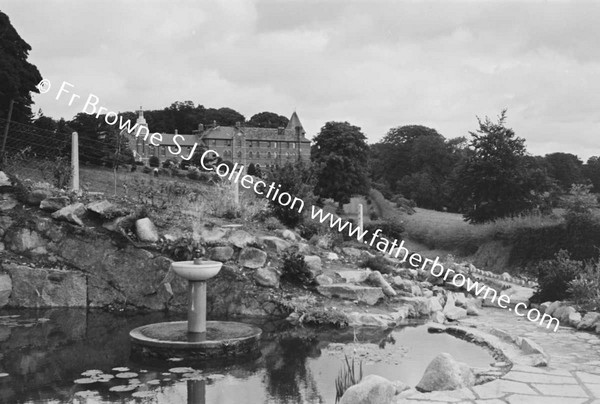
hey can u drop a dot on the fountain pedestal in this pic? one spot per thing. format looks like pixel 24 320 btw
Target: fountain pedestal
pixel 196 338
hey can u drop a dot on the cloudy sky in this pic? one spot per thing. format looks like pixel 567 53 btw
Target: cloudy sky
pixel 375 64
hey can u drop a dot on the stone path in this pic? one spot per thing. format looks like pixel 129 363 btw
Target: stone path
pixel 571 377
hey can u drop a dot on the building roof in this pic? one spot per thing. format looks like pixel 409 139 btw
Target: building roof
pixel 295 122
pixel 265 134
pixel 188 140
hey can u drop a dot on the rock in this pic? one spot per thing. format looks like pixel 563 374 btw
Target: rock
pixel 37 195
pixel 472 309
pixel 562 313
pixel 251 257
pixel 506 277
pixel 519 294
pixel 455 313
pixel 530 347
pixel 286 234
pixel 120 223
pixel 434 304
pixel 400 386
pixel 589 321
pixel 275 243
pixel 372 389
pixel 267 277
pixel 445 373
pixel 416 290
pixel 212 235
pixel 438 317
pixel 54 203
pixel 450 301
pixel 574 319
pixel 552 308
pixel 332 256
pixel 7 202
pixel 460 300
pixel 24 240
pixel 323 280
pixel 351 252
pixel 100 207
pixel 39 287
pixel 356 319
pixel 354 276
pixel 325 242
pixel 403 284
pixel 5 288
pixel 363 294
pixel 313 262
pixel 145 230
pixel 420 305
pixel 5 223
pixel 544 306
pixel 241 238
pixel 303 248
pixel 4 180
pixel 376 278
pixel 70 213
pixel 221 253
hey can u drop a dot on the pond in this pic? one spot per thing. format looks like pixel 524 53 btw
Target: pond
pixel 45 351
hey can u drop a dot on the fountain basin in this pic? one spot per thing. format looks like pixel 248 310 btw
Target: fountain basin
pixel 223 339
pixel 197 272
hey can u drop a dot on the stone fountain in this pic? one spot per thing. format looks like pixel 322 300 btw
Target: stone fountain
pixel 196 338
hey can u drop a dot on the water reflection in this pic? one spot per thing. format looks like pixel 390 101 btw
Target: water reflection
pixel 44 351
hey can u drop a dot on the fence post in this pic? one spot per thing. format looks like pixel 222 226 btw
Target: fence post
pixel 236 193
pixel 360 220
pixel 2 155
pixel 75 162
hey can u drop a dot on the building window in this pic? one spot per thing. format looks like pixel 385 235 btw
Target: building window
pixel 268 144
pixel 214 142
pixel 269 155
pixel 293 145
pixel 164 151
pixel 257 155
pixel 250 154
pixel 228 142
pixel 239 154
pixel 288 145
pixel 249 143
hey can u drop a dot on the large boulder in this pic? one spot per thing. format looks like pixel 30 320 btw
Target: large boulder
pixel 39 287
pixel 354 276
pixel 347 291
pixel 267 277
pixel 351 252
pixel 70 213
pixel 455 313
pixel 7 202
pixel 314 264
pixel 241 238
pixel 562 313
pixel 377 279
pixel 4 180
pixel 419 305
pixel 251 257
pixel 5 289
pixel 24 240
pixel 589 321
pixel 212 235
pixel 53 204
pixel 100 207
pixel 372 389
pixel 146 230
pixel 275 243
pixel 220 253
pixel 445 373
pixel 519 294
pixel 37 195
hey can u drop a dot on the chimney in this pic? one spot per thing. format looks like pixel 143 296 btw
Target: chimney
pixel 280 130
pixel 214 124
pixel 200 128
pixel 238 124
pixel 175 131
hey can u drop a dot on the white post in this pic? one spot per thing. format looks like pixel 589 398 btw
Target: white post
pixel 236 193
pixel 75 162
pixel 360 219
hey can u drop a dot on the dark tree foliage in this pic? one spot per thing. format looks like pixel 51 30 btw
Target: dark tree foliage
pixel 185 117
pixel 267 120
pixel 591 172
pixel 565 168
pixel 496 181
pixel 18 77
pixel 341 153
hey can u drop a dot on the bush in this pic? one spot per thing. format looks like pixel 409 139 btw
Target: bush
pixel 376 264
pixel 272 223
pixel 310 228
pixel 555 276
pixel 585 288
pixel 324 316
pixel 153 161
pixel 295 270
pixel 390 229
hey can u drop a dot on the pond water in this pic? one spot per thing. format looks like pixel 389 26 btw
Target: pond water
pixel 45 351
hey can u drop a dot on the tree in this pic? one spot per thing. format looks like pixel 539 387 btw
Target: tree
pixel 495 180
pixel 565 168
pixel 18 77
pixel 341 153
pixel 268 120
pixel 591 171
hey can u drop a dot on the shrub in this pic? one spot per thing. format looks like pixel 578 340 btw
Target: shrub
pixel 295 270
pixel 272 223
pixel 153 161
pixel 390 229
pixel 373 215
pixel 376 264
pixel 325 316
pixel 585 288
pixel 555 276
pixel 309 228
pixel 181 249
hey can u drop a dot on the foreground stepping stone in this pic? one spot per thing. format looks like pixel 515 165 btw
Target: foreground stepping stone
pixel 363 294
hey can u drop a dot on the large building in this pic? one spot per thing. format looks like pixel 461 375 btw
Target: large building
pixel 265 147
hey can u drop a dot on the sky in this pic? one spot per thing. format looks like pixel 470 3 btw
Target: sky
pixel 375 64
